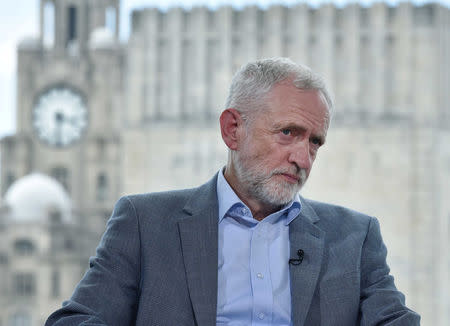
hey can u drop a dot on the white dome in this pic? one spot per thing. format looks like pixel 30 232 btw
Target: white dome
pixel 35 196
pixel 102 38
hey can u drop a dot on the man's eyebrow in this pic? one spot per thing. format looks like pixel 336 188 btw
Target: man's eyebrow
pixel 290 125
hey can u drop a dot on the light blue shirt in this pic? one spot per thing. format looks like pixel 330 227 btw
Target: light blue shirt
pixel 253 271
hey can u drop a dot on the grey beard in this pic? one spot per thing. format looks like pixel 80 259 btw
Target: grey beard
pixel 261 185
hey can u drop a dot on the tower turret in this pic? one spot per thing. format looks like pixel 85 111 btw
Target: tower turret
pixel 66 25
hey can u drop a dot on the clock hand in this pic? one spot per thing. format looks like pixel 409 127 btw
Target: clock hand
pixel 59 119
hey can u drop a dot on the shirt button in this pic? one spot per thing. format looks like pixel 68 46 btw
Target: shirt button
pixel 259 275
pixel 261 316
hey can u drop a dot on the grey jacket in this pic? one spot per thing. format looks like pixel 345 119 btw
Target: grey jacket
pixel 157 265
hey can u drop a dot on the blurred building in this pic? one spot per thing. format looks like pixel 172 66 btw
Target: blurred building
pixel 69 106
pixel 43 243
pixel 105 119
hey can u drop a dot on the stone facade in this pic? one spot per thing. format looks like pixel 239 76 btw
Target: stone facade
pixel 154 105
pixel 43 249
pixel 82 55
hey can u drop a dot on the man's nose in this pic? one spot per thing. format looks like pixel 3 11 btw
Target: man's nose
pixel 300 155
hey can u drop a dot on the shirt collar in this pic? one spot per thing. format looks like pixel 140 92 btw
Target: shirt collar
pixel 228 199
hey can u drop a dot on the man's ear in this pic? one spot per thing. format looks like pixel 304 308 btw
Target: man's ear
pixel 230 121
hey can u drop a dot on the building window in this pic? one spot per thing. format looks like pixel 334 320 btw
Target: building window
pixel 9 146
pixel 110 19
pixel 185 20
pixel 211 20
pixel 364 17
pixel 339 19
pixel 54 216
pixel 102 187
pixel 24 284
pixel 72 32
pixel 101 147
pixel 424 15
pixel 162 22
pixel 49 24
pixel 56 290
pixel 62 175
pixel 69 245
pixel 391 15
pixel 236 20
pixel 23 247
pixel 9 180
pixel 314 19
pixel 20 319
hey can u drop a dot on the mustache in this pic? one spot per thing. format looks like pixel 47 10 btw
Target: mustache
pixel 294 171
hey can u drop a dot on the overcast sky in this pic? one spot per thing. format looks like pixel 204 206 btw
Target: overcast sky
pixel 19 19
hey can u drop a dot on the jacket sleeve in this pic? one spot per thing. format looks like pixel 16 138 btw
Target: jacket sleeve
pixel 108 292
pixel 381 302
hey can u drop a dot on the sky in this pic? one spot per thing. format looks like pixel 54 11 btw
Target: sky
pixel 19 19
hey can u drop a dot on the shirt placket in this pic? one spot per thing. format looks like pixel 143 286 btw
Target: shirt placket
pixel 260 276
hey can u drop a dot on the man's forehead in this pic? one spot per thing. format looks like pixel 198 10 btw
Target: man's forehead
pixel 286 109
pixel 289 97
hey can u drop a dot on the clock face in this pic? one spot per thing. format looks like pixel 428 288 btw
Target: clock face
pixel 60 117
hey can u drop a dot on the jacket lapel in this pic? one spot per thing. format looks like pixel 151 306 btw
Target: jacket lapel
pixel 198 234
pixel 303 234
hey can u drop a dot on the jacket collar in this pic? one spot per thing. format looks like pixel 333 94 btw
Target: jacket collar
pixel 305 235
pixel 199 233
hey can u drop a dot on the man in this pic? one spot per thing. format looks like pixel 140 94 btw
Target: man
pixel 245 248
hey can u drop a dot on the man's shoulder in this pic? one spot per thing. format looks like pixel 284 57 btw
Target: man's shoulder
pixel 337 216
pixel 173 200
pixel 168 195
pixel 160 200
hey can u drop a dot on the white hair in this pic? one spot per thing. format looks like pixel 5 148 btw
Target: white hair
pixel 253 81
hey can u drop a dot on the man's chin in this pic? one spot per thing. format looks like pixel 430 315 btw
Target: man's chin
pixel 281 195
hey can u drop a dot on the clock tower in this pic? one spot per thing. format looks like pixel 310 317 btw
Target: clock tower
pixel 69 96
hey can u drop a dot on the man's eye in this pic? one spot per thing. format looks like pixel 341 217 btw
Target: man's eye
pixel 286 132
pixel 316 141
